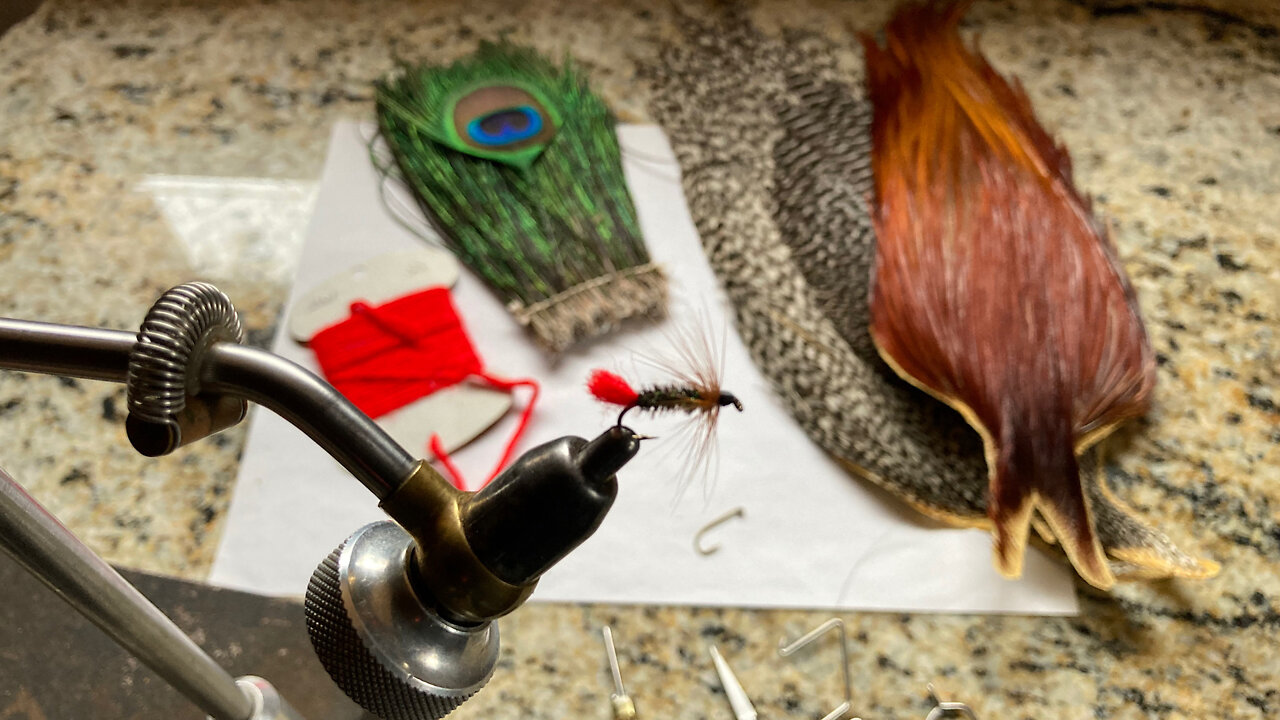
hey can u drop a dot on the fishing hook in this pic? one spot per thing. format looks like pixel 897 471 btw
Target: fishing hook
pixel 737 512
pixel 941 709
pixel 836 624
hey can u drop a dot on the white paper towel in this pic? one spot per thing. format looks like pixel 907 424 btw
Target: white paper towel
pixel 812 536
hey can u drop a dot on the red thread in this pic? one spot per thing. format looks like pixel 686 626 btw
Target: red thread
pixel 383 358
pixel 611 388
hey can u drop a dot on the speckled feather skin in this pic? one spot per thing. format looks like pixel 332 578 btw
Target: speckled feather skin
pixel 774 145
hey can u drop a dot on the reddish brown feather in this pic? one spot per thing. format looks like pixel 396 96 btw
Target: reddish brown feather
pixel 995 288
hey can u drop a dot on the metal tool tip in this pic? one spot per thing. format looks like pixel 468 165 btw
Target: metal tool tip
pixel 619 689
pixel 739 701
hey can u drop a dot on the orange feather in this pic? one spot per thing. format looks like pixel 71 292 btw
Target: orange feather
pixel 995 288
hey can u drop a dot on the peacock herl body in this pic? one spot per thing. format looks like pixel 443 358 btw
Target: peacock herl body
pixel 774 140
pixel 516 162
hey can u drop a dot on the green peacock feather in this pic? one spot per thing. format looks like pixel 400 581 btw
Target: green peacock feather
pixel 516 163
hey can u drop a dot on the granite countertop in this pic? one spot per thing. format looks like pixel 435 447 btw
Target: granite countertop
pixel 1171 110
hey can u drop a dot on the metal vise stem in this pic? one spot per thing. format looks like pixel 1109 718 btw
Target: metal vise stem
pixel 286 388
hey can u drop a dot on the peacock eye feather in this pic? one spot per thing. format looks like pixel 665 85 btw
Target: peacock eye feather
pixel 516 163
pixel 501 121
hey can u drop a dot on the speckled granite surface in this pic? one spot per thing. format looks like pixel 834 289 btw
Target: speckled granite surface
pixel 1172 111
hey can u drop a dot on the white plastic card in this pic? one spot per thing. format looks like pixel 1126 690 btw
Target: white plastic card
pixel 456 414
pixel 375 281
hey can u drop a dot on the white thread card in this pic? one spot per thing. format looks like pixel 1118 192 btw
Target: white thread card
pixel 811 535
pixel 456 414
pixel 379 280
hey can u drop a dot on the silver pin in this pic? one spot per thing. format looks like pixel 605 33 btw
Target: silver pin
pixel 697 539
pixel 738 698
pixel 785 650
pixel 941 709
pixel 623 707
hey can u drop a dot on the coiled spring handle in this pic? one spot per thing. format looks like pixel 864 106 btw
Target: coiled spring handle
pixel 166 406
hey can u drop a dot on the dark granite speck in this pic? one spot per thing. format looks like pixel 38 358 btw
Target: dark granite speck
pixel 1229 263
pixel 132 51
pixel 109 409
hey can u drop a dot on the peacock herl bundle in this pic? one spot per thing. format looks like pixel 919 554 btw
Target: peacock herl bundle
pixel 516 162
pixel 995 288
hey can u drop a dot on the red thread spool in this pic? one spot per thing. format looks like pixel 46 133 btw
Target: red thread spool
pixel 383 358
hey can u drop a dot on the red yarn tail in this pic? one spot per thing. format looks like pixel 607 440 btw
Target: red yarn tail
pixel 446 461
pixel 609 387
pixel 438 449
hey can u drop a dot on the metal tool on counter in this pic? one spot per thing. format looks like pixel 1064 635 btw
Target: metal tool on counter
pixel 786 649
pixel 402 616
pixel 739 701
pixel 40 544
pixel 940 709
pixel 624 708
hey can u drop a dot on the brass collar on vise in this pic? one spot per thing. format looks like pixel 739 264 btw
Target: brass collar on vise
pixel 464 589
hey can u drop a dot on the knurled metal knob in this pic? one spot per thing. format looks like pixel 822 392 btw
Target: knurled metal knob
pixel 386 647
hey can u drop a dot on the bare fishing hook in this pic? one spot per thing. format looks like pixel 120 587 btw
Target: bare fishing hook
pixel 942 709
pixel 703 549
pixel 785 650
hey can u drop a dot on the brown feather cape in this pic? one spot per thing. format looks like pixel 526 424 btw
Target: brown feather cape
pixel 995 289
